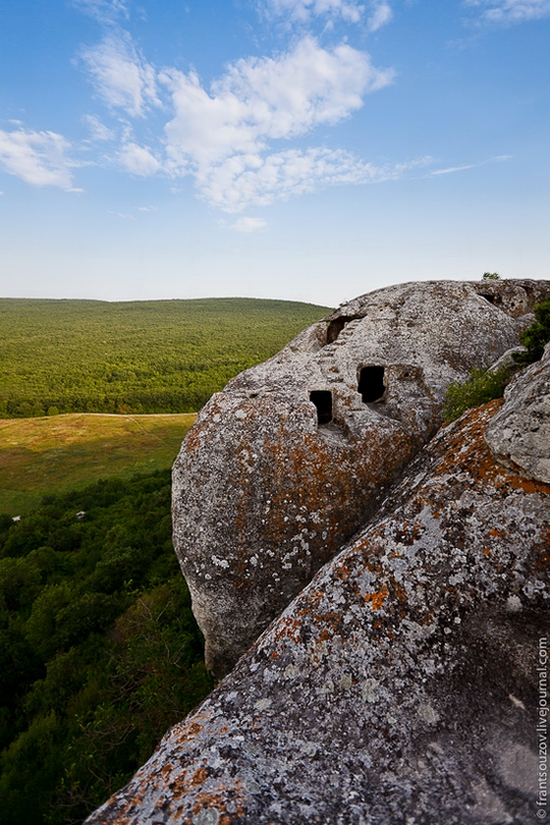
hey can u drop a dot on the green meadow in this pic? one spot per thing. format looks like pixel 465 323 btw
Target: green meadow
pixel 65 452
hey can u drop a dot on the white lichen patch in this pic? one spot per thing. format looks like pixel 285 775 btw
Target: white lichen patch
pixel 345 682
pixel 263 704
pixel 428 713
pixel 223 563
pixel 513 604
pixel 369 691
pixel 208 816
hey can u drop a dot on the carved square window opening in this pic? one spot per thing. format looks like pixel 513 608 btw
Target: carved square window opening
pixel 323 402
pixel 371 384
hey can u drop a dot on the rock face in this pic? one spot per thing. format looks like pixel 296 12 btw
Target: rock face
pixel 519 436
pixel 285 464
pixel 402 685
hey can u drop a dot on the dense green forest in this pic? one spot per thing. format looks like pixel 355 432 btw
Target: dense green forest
pixel 60 356
pixel 99 651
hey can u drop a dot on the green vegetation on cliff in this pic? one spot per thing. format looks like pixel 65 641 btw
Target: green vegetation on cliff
pixel 67 356
pixel 535 337
pixel 485 385
pixel 482 386
pixel 99 651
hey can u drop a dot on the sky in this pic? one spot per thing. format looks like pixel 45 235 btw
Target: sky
pixel 309 150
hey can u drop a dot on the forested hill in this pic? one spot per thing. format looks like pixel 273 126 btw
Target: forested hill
pixel 141 356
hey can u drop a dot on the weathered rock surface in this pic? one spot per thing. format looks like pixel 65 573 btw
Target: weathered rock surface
pixel 519 435
pixel 400 687
pixel 285 464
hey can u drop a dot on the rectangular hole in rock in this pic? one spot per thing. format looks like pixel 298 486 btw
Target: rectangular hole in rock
pixel 371 384
pixel 323 401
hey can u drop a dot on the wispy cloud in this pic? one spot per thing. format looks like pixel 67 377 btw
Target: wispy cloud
pixel 244 181
pixel 39 158
pixel 121 76
pixel 376 12
pixel 98 130
pixel 124 215
pixel 222 136
pixel 381 14
pixel 510 11
pixel 453 169
pixel 448 170
pixel 138 160
pixel 104 11
pixel 304 10
pixel 247 225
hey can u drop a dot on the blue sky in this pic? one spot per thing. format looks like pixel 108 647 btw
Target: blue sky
pixel 301 149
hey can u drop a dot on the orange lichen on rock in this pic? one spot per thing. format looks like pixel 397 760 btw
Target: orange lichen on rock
pixel 377 599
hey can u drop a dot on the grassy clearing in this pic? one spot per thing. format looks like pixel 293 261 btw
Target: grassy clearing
pixel 65 452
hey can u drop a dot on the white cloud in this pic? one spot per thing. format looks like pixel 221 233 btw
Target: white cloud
pixel 351 11
pixel 380 15
pixel 222 136
pixel 104 11
pixel 121 75
pixel 265 98
pixel 448 170
pixel 124 215
pixel 453 169
pixel 303 10
pixel 138 160
pixel 98 130
pixel 247 225
pixel 511 11
pixel 37 157
pixel 251 180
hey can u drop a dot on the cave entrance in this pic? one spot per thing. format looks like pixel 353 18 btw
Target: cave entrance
pixel 335 328
pixel 371 384
pixel 323 401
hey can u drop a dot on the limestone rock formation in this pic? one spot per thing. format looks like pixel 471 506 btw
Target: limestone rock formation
pixel 285 464
pixel 519 436
pixel 401 686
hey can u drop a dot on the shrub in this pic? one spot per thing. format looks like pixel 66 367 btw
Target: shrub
pixel 536 336
pixel 491 276
pixel 481 387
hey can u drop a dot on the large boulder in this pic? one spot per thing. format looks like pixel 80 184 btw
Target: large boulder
pixel 406 684
pixel 285 465
pixel 519 436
